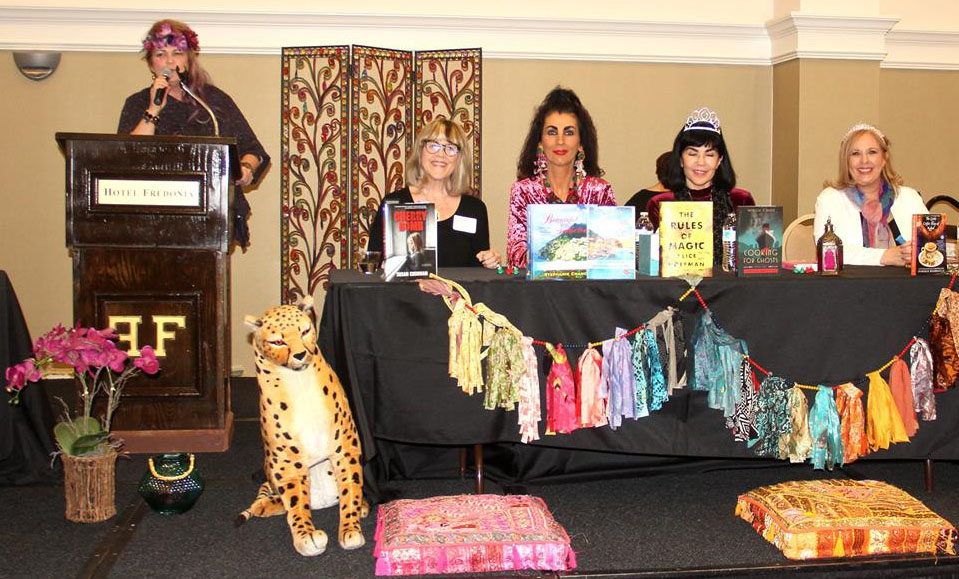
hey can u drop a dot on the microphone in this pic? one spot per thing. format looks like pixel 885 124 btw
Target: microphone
pixel 183 76
pixel 161 92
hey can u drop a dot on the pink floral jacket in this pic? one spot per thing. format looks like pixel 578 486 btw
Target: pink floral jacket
pixel 530 191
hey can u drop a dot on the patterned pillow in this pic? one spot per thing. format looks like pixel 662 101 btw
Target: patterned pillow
pixel 844 518
pixel 469 534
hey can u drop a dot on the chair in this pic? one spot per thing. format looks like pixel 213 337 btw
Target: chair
pixel 949 206
pixel 798 241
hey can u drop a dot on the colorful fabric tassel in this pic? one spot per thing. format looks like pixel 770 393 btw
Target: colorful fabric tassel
pixel 949 309
pixel 900 385
pixel 772 417
pixel 505 368
pixel 717 364
pixel 465 335
pixel 852 422
pixel 827 447
pixel 618 373
pixel 743 422
pixel 921 373
pixel 796 445
pixel 560 394
pixel 668 329
pixel 658 393
pixel 883 423
pixel 945 360
pixel 640 377
pixel 592 400
pixel 529 404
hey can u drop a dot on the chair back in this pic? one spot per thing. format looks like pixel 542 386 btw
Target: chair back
pixel 798 241
pixel 948 206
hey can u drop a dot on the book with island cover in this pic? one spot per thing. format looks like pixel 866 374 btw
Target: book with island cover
pixel 409 241
pixel 759 240
pixel 929 233
pixel 580 242
pixel 686 238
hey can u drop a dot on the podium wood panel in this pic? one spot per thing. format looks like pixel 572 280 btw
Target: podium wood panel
pixel 148 229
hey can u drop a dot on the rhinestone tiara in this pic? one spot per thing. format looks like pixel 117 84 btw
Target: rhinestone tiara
pixel 865 127
pixel 702 120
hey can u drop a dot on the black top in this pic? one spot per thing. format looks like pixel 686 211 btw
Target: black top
pixel 456 248
pixel 189 118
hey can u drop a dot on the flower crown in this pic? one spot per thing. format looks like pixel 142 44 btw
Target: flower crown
pixel 166 36
pixel 865 127
pixel 703 120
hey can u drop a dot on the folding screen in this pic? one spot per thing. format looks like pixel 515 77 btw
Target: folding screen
pixel 347 129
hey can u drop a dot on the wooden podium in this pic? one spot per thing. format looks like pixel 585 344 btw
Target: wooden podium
pixel 148 227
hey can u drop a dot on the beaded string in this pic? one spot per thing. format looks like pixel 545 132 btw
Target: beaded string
pixel 163 477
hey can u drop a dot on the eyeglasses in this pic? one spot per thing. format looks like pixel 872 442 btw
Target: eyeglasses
pixel 435 147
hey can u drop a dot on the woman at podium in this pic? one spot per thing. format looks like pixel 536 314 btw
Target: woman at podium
pixel 559 163
pixel 182 100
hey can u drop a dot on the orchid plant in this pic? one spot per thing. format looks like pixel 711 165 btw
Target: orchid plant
pixel 100 367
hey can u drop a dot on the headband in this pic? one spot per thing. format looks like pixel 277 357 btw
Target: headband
pixel 166 36
pixel 865 127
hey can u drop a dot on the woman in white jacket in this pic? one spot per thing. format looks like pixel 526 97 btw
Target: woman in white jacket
pixel 868 204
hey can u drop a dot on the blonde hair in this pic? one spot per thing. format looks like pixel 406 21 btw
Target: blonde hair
pixel 460 179
pixel 844 179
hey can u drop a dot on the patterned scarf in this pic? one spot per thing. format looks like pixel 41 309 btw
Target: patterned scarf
pixel 874 216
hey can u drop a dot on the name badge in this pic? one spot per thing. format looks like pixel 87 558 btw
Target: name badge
pixel 464 224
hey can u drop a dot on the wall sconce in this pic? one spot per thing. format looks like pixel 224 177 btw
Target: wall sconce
pixel 36 65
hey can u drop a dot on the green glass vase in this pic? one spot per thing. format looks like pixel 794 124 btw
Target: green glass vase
pixel 171 484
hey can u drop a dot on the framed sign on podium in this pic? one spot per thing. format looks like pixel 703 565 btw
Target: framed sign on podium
pixel 147 224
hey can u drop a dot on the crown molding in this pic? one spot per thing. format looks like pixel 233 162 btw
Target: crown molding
pixel 266 33
pixel 828 37
pixel 252 32
pixel 928 50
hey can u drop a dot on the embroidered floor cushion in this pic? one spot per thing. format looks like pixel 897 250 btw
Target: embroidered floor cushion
pixel 469 534
pixel 844 518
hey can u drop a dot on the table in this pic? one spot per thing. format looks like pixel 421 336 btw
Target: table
pixel 26 438
pixel 388 343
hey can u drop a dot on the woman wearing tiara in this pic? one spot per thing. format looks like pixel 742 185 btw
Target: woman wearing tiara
pixel 700 170
pixel 173 105
pixel 867 203
pixel 559 163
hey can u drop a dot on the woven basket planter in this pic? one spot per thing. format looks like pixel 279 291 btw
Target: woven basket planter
pixel 90 487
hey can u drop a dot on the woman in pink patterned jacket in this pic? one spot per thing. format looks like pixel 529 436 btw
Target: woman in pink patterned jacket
pixel 558 164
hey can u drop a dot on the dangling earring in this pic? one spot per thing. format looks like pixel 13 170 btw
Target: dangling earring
pixel 540 164
pixel 578 167
pixel 154 75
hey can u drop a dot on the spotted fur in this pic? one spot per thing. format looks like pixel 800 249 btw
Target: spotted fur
pixel 309 439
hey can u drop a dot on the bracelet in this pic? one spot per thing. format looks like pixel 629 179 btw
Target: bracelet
pixel 152 119
pixel 248 165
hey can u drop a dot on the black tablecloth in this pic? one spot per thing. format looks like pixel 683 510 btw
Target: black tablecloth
pixel 26 438
pixel 389 344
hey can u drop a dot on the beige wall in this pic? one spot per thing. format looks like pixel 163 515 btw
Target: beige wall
pixel 637 108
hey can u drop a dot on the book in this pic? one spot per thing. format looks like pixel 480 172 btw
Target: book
pixel 929 235
pixel 409 241
pixel 759 240
pixel 686 238
pixel 580 242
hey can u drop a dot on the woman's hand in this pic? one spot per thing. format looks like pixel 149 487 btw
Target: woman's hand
pixel 900 255
pixel 160 82
pixel 489 258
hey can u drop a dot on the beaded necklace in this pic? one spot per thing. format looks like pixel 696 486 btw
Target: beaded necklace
pixel 572 196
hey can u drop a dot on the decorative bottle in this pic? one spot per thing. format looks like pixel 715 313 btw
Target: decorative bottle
pixel 171 483
pixel 647 247
pixel 829 251
pixel 729 243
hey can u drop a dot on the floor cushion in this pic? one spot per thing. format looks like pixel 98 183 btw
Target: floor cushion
pixel 844 518
pixel 469 534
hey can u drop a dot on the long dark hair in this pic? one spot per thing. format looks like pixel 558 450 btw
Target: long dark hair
pixel 724 180
pixel 560 100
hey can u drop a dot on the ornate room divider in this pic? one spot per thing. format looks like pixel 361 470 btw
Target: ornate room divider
pixel 347 129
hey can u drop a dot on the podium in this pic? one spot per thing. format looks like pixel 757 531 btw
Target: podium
pixel 147 223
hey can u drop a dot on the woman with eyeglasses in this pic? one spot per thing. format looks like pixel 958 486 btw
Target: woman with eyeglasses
pixel 438 172
pixel 558 164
